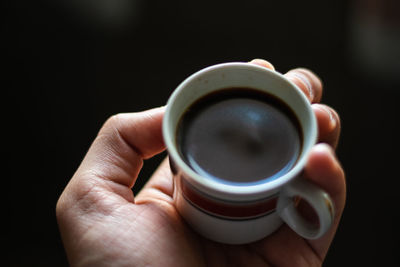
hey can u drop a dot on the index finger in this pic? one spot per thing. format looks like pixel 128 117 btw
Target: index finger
pixel 305 79
pixel 123 142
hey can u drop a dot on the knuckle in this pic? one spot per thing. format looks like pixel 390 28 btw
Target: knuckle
pixel 113 121
pixel 112 124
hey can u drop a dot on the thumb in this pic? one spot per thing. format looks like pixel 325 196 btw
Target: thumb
pixel 123 142
pixel 101 185
pixel 114 160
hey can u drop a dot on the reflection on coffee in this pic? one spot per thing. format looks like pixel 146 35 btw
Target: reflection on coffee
pixel 239 136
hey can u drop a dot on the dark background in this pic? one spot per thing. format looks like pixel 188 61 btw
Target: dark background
pixel 69 65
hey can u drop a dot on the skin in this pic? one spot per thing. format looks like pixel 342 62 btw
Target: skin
pixel 103 224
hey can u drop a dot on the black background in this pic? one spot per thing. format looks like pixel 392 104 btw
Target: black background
pixel 67 68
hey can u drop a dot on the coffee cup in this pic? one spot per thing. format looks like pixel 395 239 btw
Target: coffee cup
pixel 238 136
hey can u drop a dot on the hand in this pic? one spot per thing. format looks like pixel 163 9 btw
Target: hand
pixel 103 224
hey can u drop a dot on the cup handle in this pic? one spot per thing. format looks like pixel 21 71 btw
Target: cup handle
pixel 318 199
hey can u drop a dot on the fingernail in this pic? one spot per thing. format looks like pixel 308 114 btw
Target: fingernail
pixel 332 119
pixel 325 148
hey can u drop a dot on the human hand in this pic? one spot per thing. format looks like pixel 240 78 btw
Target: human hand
pixel 103 224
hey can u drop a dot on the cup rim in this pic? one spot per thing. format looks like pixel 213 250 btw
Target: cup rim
pixel 232 191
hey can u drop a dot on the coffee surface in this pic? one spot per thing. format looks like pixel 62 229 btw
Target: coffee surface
pixel 239 135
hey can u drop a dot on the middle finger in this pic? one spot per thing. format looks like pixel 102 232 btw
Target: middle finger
pixel 308 82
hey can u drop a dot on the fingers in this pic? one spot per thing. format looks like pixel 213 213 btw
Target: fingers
pixel 305 79
pixel 308 82
pixel 328 124
pixel 311 85
pixel 324 169
pixel 327 118
pixel 262 63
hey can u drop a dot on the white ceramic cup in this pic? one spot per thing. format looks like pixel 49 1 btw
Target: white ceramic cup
pixel 235 213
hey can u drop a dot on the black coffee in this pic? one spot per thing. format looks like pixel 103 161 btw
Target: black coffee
pixel 239 135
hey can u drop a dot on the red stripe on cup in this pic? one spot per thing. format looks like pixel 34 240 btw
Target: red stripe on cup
pixel 230 210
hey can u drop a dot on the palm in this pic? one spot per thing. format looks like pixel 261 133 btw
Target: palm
pixel 152 230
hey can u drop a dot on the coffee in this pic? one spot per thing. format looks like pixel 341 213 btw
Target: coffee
pixel 239 136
